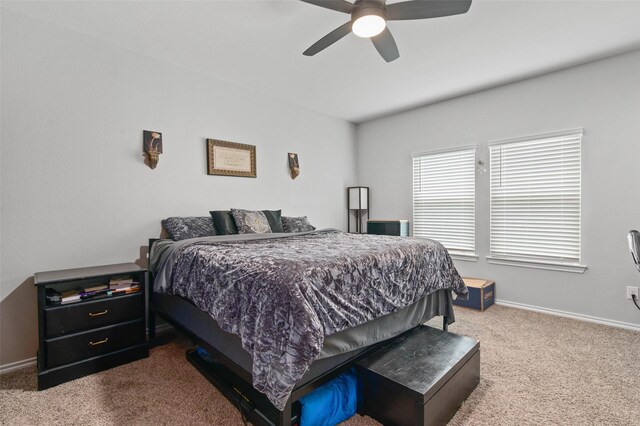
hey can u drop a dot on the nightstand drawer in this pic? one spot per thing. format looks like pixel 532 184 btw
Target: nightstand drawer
pixel 75 347
pixel 92 314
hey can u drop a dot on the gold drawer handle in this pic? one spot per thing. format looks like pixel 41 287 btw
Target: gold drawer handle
pixel 99 342
pixel 97 314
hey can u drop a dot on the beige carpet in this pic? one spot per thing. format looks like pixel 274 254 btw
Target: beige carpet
pixel 536 369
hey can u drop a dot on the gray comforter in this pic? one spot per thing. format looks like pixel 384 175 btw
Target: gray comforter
pixel 283 293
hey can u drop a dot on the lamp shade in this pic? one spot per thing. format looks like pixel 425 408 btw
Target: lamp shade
pixel 358 198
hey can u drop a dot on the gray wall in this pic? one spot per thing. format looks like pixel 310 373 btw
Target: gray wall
pixel 75 191
pixel 602 97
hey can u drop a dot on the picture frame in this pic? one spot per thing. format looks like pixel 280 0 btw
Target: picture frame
pixel 231 159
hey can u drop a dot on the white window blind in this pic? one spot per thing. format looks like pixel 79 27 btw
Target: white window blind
pixel 444 198
pixel 535 198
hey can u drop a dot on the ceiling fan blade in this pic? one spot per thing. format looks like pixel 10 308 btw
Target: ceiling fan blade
pixel 423 9
pixel 386 45
pixel 339 5
pixel 329 39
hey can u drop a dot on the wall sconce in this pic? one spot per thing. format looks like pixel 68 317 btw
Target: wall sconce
pixel 294 165
pixel 358 203
pixel 152 147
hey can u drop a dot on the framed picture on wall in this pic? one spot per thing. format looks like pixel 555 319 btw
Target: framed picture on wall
pixel 231 159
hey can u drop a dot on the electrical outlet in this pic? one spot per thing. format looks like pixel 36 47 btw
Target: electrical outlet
pixel 632 290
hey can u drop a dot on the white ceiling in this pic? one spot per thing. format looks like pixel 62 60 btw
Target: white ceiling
pixel 258 44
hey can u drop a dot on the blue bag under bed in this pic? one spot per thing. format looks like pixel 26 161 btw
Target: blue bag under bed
pixel 331 403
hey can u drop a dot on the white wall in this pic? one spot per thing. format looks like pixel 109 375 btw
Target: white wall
pixel 75 191
pixel 602 97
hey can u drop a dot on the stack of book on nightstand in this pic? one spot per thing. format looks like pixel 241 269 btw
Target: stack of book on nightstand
pixel 93 290
pixel 124 285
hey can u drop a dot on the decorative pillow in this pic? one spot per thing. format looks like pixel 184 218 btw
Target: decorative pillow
pixel 296 224
pixel 251 222
pixel 275 220
pixel 223 222
pixel 181 228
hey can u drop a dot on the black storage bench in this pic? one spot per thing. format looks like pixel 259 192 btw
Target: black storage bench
pixel 422 378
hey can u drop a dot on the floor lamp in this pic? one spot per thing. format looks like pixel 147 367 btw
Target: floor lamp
pixel 358 203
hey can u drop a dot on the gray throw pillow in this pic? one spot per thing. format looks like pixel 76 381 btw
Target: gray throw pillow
pixel 250 222
pixel 181 228
pixel 296 224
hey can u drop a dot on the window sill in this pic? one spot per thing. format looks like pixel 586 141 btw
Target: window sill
pixel 538 264
pixel 465 257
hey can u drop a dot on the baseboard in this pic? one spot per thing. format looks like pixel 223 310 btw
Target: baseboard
pixel 572 315
pixel 18 365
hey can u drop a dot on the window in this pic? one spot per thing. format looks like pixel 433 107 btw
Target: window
pixel 535 201
pixel 444 199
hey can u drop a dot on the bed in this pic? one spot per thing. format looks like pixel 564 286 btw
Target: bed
pixel 286 312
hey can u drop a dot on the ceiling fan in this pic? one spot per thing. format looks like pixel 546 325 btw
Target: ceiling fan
pixel 369 19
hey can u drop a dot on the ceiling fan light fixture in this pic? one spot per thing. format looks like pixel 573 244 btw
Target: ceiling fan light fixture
pixel 369 19
pixel 368 23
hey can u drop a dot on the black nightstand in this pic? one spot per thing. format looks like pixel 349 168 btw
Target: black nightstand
pixel 388 227
pixel 90 335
